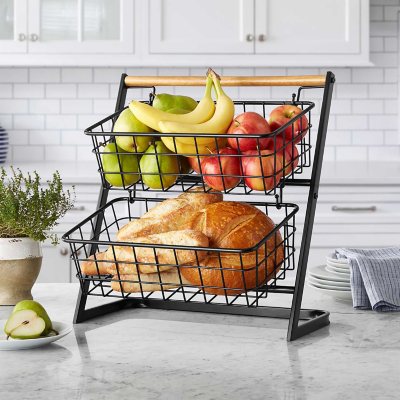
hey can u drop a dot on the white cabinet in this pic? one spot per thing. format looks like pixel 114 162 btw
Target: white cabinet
pixel 56 264
pixel 67 26
pixel 308 26
pixel 13 23
pixel 201 27
pixel 291 32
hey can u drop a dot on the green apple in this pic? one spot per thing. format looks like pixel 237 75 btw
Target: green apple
pixel 111 166
pixel 154 165
pixel 38 309
pixel 24 324
pixel 170 102
pixel 127 122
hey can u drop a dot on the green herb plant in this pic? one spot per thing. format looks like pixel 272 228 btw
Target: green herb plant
pixel 30 209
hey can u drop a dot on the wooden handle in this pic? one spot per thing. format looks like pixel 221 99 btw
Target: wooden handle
pixel 302 80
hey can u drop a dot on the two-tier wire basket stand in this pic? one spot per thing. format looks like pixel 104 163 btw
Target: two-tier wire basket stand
pixel 97 231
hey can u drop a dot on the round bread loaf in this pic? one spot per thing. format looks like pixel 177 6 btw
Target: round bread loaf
pixel 234 225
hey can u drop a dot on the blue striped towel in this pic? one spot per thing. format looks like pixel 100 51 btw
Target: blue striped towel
pixel 374 277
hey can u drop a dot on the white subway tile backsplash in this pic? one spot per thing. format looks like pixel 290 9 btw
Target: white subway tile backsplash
pixel 44 106
pixel 383 122
pixel 384 59
pixel 384 153
pixel 75 75
pixel 367 75
pixel 376 13
pixel 27 153
pixel 93 90
pixel 383 28
pixel 105 106
pixel 5 90
pixel 29 121
pixel 336 138
pixel 47 137
pixel 18 137
pixel 76 106
pixel 28 91
pixel 352 91
pixel 361 106
pixel 13 75
pixel 13 106
pixel 342 106
pixel 376 44
pixel 391 12
pixel 367 138
pixel 391 44
pixel 352 153
pixel 391 75
pixel 61 91
pixel 55 153
pixel 75 137
pixel 44 75
pixel 382 91
pixel 391 106
pixel 84 153
pixel 6 121
pixel 351 122
pixel 61 121
pixel 392 138
pixel 107 75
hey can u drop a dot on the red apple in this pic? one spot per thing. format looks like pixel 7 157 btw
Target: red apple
pixel 282 115
pixel 195 163
pixel 291 153
pixel 262 168
pixel 221 164
pixel 249 123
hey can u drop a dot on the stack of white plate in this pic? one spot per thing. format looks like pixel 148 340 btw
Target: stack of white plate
pixel 3 145
pixel 332 279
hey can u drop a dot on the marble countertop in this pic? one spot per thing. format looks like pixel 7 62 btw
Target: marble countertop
pixel 339 173
pixel 155 354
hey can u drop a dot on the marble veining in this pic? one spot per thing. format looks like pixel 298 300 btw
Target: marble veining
pixel 155 354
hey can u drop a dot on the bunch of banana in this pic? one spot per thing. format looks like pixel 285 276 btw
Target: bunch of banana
pixel 206 118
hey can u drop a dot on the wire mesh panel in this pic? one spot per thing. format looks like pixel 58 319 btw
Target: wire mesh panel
pixel 177 272
pixel 230 163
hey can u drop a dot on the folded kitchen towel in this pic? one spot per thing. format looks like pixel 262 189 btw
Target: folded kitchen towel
pixel 374 277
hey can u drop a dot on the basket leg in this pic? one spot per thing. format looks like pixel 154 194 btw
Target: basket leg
pixel 295 330
pixel 80 309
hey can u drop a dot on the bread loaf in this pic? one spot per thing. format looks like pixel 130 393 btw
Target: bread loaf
pixel 97 264
pixel 156 258
pixel 148 282
pixel 234 225
pixel 169 215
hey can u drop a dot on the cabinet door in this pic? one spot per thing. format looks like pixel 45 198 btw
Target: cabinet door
pixel 309 26
pixel 55 264
pixel 81 26
pixel 201 27
pixel 13 26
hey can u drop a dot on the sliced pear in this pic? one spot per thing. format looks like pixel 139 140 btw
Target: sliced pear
pixel 38 309
pixel 24 324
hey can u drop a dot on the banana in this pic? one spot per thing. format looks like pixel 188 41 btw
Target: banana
pixel 191 149
pixel 218 123
pixel 151 116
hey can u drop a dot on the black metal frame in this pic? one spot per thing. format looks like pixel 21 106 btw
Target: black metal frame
pixel 314 319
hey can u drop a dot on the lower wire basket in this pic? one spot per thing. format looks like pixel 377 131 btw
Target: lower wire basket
pixel 111 268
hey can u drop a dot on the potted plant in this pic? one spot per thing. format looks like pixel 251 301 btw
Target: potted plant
pixel 28 213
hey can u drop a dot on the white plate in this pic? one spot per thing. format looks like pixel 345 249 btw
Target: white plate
pixel 326 286
pixel 337 270
pixel 337 265
pixel 337 294
pixel 332 258
pixel 345 285
pixel 320 272
pixel 17 344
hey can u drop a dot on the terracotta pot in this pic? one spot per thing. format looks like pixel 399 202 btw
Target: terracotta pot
pixel 20 261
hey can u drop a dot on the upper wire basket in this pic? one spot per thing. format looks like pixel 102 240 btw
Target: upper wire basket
pixel 280 156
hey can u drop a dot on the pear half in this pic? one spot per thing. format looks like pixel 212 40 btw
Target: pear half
pixel 24 324
pixel 38 309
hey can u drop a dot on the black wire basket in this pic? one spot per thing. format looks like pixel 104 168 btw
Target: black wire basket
pixel 278 156
pixel 278 160
pixel 271 258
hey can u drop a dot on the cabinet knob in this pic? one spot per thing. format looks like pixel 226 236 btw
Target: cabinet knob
pixel 262 38
pixel 64 251
pixel 250 37
pixel 34 37
pixel 22 37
